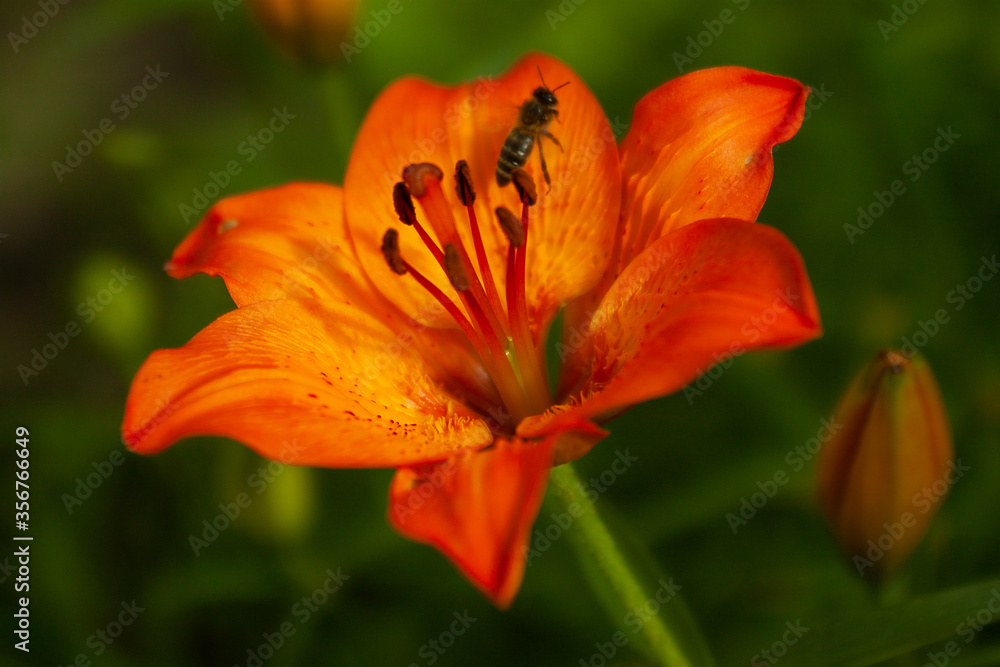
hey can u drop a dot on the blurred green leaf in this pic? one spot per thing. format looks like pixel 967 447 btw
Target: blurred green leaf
pixel 869 637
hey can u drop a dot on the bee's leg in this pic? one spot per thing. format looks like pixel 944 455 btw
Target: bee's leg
pixel 546 133
pixel 545 169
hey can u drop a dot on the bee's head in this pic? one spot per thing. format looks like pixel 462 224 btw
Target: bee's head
pixel 545 96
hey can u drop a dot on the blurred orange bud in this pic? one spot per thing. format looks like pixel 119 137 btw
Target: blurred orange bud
pixel 310 31
pixel 882 477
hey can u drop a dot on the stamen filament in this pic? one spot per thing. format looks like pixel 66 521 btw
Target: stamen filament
pixel 484 265
pixel 449 305
pixel 429 242
pixel 497 367
pixel 439 215
pixel 467 195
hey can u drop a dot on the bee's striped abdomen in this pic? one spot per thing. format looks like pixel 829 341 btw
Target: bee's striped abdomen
pixel 514 154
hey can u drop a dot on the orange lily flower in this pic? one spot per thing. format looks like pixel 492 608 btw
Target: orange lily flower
pixel 423 348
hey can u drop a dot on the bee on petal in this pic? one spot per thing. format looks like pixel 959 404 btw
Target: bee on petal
pixel 533 119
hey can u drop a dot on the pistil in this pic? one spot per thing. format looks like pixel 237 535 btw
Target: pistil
pixel 467 195
pixel 517 304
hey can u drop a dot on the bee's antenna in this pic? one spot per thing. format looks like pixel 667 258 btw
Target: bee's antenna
pixel 551 90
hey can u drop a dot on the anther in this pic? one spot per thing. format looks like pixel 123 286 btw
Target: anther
pixel 403 203
pixel 390 248
pixel 511 226
pixel 413 176
pixel 525 186
pixel 453 267
pixel 463 184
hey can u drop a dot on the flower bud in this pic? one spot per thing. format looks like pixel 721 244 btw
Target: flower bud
pixel 310 31
pixel 883 474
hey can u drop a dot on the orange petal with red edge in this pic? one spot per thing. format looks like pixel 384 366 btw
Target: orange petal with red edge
pixel 572 227
pixel 700 147
pixel 282 243
pixel 304 381
pixel 712 288
pixel 477 508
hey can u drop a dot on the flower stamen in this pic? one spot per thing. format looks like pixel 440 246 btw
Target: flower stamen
pixel 467 195
pixel 424 182
pixel 390 248
pixel 453 267
pixel 511 226
pixel 525 186
pixel 403 203
pixel 393 256
pixel 510 359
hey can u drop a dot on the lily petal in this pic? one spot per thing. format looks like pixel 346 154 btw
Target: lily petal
pixel 712 288
pixel 291 242
pixel 572 227
pixel 280 243
pixel 477 508
pixel 304 381
pixel 700 147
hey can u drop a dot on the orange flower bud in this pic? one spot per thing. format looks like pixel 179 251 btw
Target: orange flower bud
pixel 882 477
pixel 310 31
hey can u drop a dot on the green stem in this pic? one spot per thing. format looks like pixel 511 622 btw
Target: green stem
pixel 666 629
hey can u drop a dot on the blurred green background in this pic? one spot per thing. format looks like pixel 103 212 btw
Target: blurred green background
pixel 881 97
